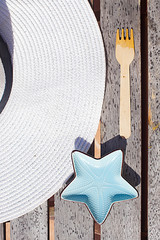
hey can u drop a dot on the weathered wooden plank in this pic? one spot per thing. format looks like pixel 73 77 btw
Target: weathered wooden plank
pixel 72 220
pixel 51 218
pixel 124 220
pixel 1 232
pixel 7 231
pixel 31 226
pixel 154 121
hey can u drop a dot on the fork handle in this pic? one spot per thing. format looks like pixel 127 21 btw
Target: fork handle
pixel 125 111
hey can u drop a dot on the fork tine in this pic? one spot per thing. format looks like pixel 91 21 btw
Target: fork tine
pixel 127 37
pixel 122 35
pixel 117 36
pixel 131 36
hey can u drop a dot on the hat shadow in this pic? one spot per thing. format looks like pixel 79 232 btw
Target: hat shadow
pixel 6 54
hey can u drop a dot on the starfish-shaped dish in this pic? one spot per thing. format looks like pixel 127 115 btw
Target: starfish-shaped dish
pixel 98 183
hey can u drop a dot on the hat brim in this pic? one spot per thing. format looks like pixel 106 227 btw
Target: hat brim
pixel 56 98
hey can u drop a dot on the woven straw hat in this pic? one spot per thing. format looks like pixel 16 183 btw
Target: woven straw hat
pixel 56 98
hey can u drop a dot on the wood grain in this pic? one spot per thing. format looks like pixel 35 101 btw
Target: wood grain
pixel 124 220
pixel 51 223
pixel 7 231
pixel 97 142
pixel 1 231
pixel 154 120
pixel 51 218
pixel 72 220
pixel 31 226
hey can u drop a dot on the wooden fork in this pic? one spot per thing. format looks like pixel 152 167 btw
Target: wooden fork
pixel 125 55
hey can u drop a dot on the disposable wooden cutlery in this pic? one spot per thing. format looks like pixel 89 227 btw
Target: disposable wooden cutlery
pixel 125 55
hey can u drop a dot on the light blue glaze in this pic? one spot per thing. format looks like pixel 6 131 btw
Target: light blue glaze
pixel 98 183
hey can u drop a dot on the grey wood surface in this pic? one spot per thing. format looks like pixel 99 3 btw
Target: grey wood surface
pixel 72 220
pixel 124 220
pixel 1 232
pixel 31 226
pixel 154 123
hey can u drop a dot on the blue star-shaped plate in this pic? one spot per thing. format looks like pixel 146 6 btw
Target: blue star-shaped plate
pixel 98 183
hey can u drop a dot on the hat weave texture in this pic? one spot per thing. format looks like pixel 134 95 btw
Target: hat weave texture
pixel 55 103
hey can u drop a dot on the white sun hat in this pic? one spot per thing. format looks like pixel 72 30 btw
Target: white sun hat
pixel 56 98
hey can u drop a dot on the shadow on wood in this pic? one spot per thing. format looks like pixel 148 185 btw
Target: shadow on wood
pixel 119 143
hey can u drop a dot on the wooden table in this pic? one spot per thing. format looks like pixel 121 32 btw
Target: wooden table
pixel 135 219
